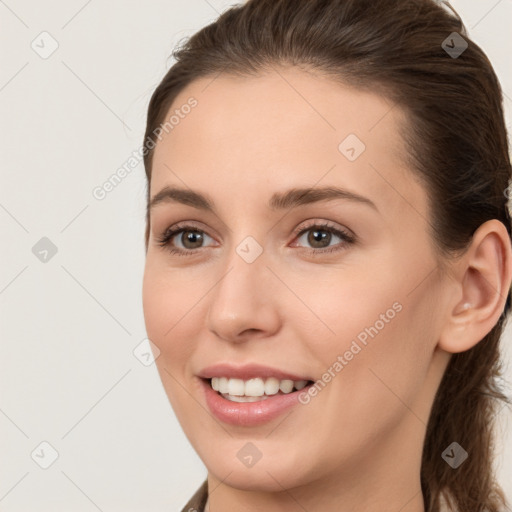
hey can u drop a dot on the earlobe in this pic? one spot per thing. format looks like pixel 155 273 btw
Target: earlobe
pixel 484 277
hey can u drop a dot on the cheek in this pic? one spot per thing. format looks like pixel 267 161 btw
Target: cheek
pixel 157 305
pixel 346 312
pixel 170 314
pixel 169 306
pixel 369 398
pixel 377 357
pixel 166 294
pixel 370 314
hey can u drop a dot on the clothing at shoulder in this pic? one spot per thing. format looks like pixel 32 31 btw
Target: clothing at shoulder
pixel 198 501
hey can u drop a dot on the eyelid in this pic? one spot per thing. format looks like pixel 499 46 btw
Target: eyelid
pixel 347 236
pixel 323 224
pixel 347 239
pixel 187 226
pixel 175 229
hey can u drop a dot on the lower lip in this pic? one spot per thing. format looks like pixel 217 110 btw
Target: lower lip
pixel 248 414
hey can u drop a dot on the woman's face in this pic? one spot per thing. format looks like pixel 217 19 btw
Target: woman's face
pixel 270 281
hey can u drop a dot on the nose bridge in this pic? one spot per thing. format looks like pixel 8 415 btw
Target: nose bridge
pixel 241 299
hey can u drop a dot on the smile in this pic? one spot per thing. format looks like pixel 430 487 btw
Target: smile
pixel 253 390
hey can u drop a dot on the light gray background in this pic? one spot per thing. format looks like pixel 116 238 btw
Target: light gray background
pixel 69 326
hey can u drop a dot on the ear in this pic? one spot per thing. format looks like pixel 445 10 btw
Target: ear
pixel 483 277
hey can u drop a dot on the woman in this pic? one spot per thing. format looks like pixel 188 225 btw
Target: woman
pixel 329 256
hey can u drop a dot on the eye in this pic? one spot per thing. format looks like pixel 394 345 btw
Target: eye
pixel 184 239
pixel 320 235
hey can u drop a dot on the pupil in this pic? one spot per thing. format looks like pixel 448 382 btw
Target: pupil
pixel 192 237
pixel 319 236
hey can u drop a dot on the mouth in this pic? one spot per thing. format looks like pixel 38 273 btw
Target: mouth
pixel 252 402
pixel 251 394
pixel 255 389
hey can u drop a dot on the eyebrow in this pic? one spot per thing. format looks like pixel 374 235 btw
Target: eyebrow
pixel 279 201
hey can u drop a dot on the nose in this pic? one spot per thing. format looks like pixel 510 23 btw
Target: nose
pixel 244 303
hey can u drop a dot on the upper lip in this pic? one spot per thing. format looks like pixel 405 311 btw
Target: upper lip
pixel 247 371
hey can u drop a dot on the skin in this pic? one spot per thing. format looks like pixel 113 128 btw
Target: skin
pixel 357 444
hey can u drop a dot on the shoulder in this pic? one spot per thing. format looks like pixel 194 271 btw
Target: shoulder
pixel 198 500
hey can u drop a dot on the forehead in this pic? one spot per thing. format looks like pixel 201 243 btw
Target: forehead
pixel 284 127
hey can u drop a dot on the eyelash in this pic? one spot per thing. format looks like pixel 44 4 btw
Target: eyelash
pixel 347 238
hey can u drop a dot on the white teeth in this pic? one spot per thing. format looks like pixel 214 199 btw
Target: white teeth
pixel 223 385
pixel 299 384
pixel 286 386
pixel 233 398
pixel 256 388
pixel 236 387
pixel 271 386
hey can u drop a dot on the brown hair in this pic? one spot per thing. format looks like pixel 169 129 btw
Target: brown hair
pixel 458 148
